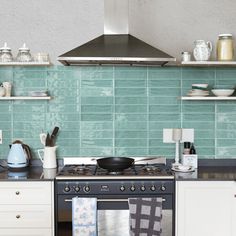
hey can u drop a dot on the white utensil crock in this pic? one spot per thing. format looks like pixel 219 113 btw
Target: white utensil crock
pixel 48 157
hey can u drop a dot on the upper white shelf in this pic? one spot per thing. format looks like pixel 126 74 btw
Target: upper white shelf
pixel 209 63
pixel 26 98
pixel 32 63
pixel 210 98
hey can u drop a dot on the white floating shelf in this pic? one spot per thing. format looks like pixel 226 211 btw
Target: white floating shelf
pixel 32 63
pixel 26 98
pixel 210 98
pixel 209 63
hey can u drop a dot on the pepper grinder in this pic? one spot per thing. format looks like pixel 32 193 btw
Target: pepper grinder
pixel 176 136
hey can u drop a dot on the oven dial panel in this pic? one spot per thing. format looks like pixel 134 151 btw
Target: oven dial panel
pixel 115 187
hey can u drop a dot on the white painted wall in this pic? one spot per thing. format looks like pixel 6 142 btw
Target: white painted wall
pixel 173 25
pixel 53 26
pixel 56 26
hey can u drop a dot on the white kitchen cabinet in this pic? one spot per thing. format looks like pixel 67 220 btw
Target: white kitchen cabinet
pixel 205 208
pixel 26 208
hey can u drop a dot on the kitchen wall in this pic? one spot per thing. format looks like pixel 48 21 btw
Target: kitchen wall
pixel 58 26
pixel 120 111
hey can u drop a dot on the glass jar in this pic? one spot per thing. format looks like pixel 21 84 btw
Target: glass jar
pixel 6 55
pixel 24 54
pixel 225 47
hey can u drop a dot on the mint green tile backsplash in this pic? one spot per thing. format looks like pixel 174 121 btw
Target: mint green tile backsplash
pixel 117 111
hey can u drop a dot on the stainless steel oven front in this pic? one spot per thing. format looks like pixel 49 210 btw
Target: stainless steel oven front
pixel 113 212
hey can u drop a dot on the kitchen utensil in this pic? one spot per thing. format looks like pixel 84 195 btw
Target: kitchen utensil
pixel 41 57
pixel 6 55
pixel 186 56
pixel 225 47
pixel 8 87
pixel 48 157
pixel 200 86
pixel 202 50
pixel 43 138
pixel 53 135
pixel 19 155
pixel 48 141
pixel 2 91
pixel 176 137
pixel 222 92
pixel 182 168
pixel 116 164
pixel 24 54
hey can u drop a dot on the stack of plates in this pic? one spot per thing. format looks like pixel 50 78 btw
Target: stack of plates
pixel 198 93
pixel 38 93
pixel 198 90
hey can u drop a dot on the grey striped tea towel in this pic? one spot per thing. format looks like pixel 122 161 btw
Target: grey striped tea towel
pixel 145 216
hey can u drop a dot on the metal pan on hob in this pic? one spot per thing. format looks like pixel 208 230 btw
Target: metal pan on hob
pixel 118 164
pixel 115 164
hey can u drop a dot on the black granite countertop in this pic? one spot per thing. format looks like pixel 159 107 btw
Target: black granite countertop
pixel 33 173
pixel 37 173
pixel 208 173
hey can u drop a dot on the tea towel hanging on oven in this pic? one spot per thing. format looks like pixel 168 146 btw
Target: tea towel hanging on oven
pixel 145 216
pixel 84 216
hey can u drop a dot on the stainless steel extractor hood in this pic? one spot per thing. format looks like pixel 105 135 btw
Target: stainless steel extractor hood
pixel 116 46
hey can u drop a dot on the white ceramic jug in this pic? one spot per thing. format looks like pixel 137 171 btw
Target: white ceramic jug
pixel 202 50
pixel 48 157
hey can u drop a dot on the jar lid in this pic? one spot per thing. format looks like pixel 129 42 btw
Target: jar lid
pixel 225 35
pixel 5 47
pixel 24 48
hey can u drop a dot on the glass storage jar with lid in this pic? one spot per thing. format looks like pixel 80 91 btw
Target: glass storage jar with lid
pixel 6 55
pixel 225 47
pixel 24 54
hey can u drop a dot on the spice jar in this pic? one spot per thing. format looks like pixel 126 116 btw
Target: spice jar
pixel 24 54
pixel 225 47
pixel 6 55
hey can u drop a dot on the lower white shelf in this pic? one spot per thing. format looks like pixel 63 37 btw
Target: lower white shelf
pixel 209 98
pixel 26 98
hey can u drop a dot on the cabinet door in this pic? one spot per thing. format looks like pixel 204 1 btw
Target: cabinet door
pixel 23 192
pixel 205 208
pixel 26 232
pixel 25 216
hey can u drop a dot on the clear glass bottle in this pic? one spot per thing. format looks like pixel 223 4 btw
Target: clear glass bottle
pixel 225 47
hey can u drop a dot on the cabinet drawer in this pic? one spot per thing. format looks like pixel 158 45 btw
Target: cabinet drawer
pixel 25 192
pixel 26 232
pixel 25 216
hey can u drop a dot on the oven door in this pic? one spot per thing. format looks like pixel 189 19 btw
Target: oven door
pixel 113 215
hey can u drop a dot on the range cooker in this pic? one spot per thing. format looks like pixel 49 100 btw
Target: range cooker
pixel 83 178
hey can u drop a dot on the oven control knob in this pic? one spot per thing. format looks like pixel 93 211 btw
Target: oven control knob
pixel 153 188
pixel 132 188
pixel 86 189
pixel 163 188
pixel 122 188
pixel 142 188
pixel 77 188
pixel 67 189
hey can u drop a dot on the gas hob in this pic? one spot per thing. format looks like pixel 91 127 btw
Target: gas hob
pixel 154 169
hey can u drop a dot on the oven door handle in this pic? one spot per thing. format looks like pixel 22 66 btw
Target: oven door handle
pixel 109 200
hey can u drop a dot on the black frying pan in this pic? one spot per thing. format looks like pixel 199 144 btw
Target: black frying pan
pixel 115 164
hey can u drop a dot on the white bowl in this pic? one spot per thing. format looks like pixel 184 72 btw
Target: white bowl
pixel 222 92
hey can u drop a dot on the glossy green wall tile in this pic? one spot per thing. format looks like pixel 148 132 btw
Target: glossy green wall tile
pixel 117 111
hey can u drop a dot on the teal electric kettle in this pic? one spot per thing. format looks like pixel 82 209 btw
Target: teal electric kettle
pixel 19 155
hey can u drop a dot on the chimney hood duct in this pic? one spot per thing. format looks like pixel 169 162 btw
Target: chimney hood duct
pixel 115 46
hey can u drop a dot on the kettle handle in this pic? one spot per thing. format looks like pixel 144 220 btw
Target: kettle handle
pixel 27 150
pixel 39 154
